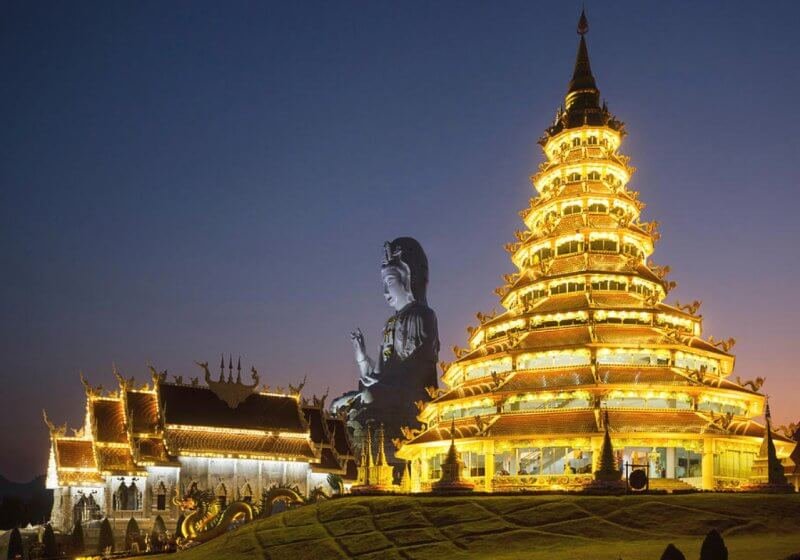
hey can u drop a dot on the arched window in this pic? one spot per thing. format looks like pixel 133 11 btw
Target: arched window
pixel 592 141
pixel 597 208
pixel 247 493
pixel 161 496
pixel 134 497
pixel 571 209
pixel 222 496
pixel 576 142
pixel 121 497
pixel 594 176
pixel 573 177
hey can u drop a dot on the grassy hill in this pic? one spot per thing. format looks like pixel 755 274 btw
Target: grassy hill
pixel 505 527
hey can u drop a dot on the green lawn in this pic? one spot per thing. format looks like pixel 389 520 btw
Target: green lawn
pixel 755 527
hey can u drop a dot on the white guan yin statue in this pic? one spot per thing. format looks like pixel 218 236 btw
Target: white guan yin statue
pixel 389 386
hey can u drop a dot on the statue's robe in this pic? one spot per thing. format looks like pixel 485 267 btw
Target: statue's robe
pixel 407 364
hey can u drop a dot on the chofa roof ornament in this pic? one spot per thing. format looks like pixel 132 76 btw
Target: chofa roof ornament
pixel 233 393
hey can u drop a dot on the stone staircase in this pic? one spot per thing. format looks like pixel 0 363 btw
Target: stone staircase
pixel 671 485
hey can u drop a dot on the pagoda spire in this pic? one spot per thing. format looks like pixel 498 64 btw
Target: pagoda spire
pixel 607 465
pixel 775 472
pixel 582 97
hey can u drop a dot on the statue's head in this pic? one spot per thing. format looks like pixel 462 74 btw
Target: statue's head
pixel 404 271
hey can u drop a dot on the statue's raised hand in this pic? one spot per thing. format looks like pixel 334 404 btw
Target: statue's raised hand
pixel 357 338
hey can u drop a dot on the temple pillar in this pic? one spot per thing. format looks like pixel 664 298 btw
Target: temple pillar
pixel 488 465
pixel 514 466
pixel 671 462
pixel 707 464
pixel 423 471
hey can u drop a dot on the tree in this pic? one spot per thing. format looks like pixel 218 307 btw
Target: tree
pixel 76 541
pixel 106 539
pixel 158 535
pixel 713 547
pixel 49 542
pixel 336 483
pixel 672 553
pixel 132 534
pixel 15 549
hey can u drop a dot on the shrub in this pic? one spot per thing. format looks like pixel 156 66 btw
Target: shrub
pixel 49 542
pixel 672 553
pixel 132 534
pixel 76 541
pixel 713 547
pixel 15 549
pixel 106 539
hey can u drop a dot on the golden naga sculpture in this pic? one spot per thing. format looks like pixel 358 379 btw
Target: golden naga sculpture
pixel 205 520
pixel 459 352
pixel 434 392
pixel 721 421
pixel 483 317
pixel 725 345
pixel 690 308
pixel 789 430
pixel 755 385
pixel 659 270
pixel 409 433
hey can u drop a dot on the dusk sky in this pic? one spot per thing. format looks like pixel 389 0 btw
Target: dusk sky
pixel 181 179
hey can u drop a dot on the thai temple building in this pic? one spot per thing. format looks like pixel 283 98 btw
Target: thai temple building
pixel 141 446
pixel 585 328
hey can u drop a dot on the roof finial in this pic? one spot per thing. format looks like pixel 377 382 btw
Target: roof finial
pixel 221 368
pixel 239 370
pixel 583 23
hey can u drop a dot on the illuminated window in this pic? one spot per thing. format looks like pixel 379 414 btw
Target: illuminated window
pixel 161 497
pixel 570 247
pixel 603 245
pixel 542 254
pixel 572 209
pixel 593 176
pixel 592 141
pixel 576 142
pixel 631 249
pixel 609 285
pixel 567 287
pixel 597 208
pixel 573 177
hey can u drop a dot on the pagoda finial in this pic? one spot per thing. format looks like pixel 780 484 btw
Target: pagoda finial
pixel 221 368
pixel 239 370
pixel 381 460
pixel 583 23
pixel 230 368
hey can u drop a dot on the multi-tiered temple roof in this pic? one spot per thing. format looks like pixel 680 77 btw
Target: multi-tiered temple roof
pixel 135 427
pixel 585 325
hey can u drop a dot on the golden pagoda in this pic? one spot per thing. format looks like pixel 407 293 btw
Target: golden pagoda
pixel 585 328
